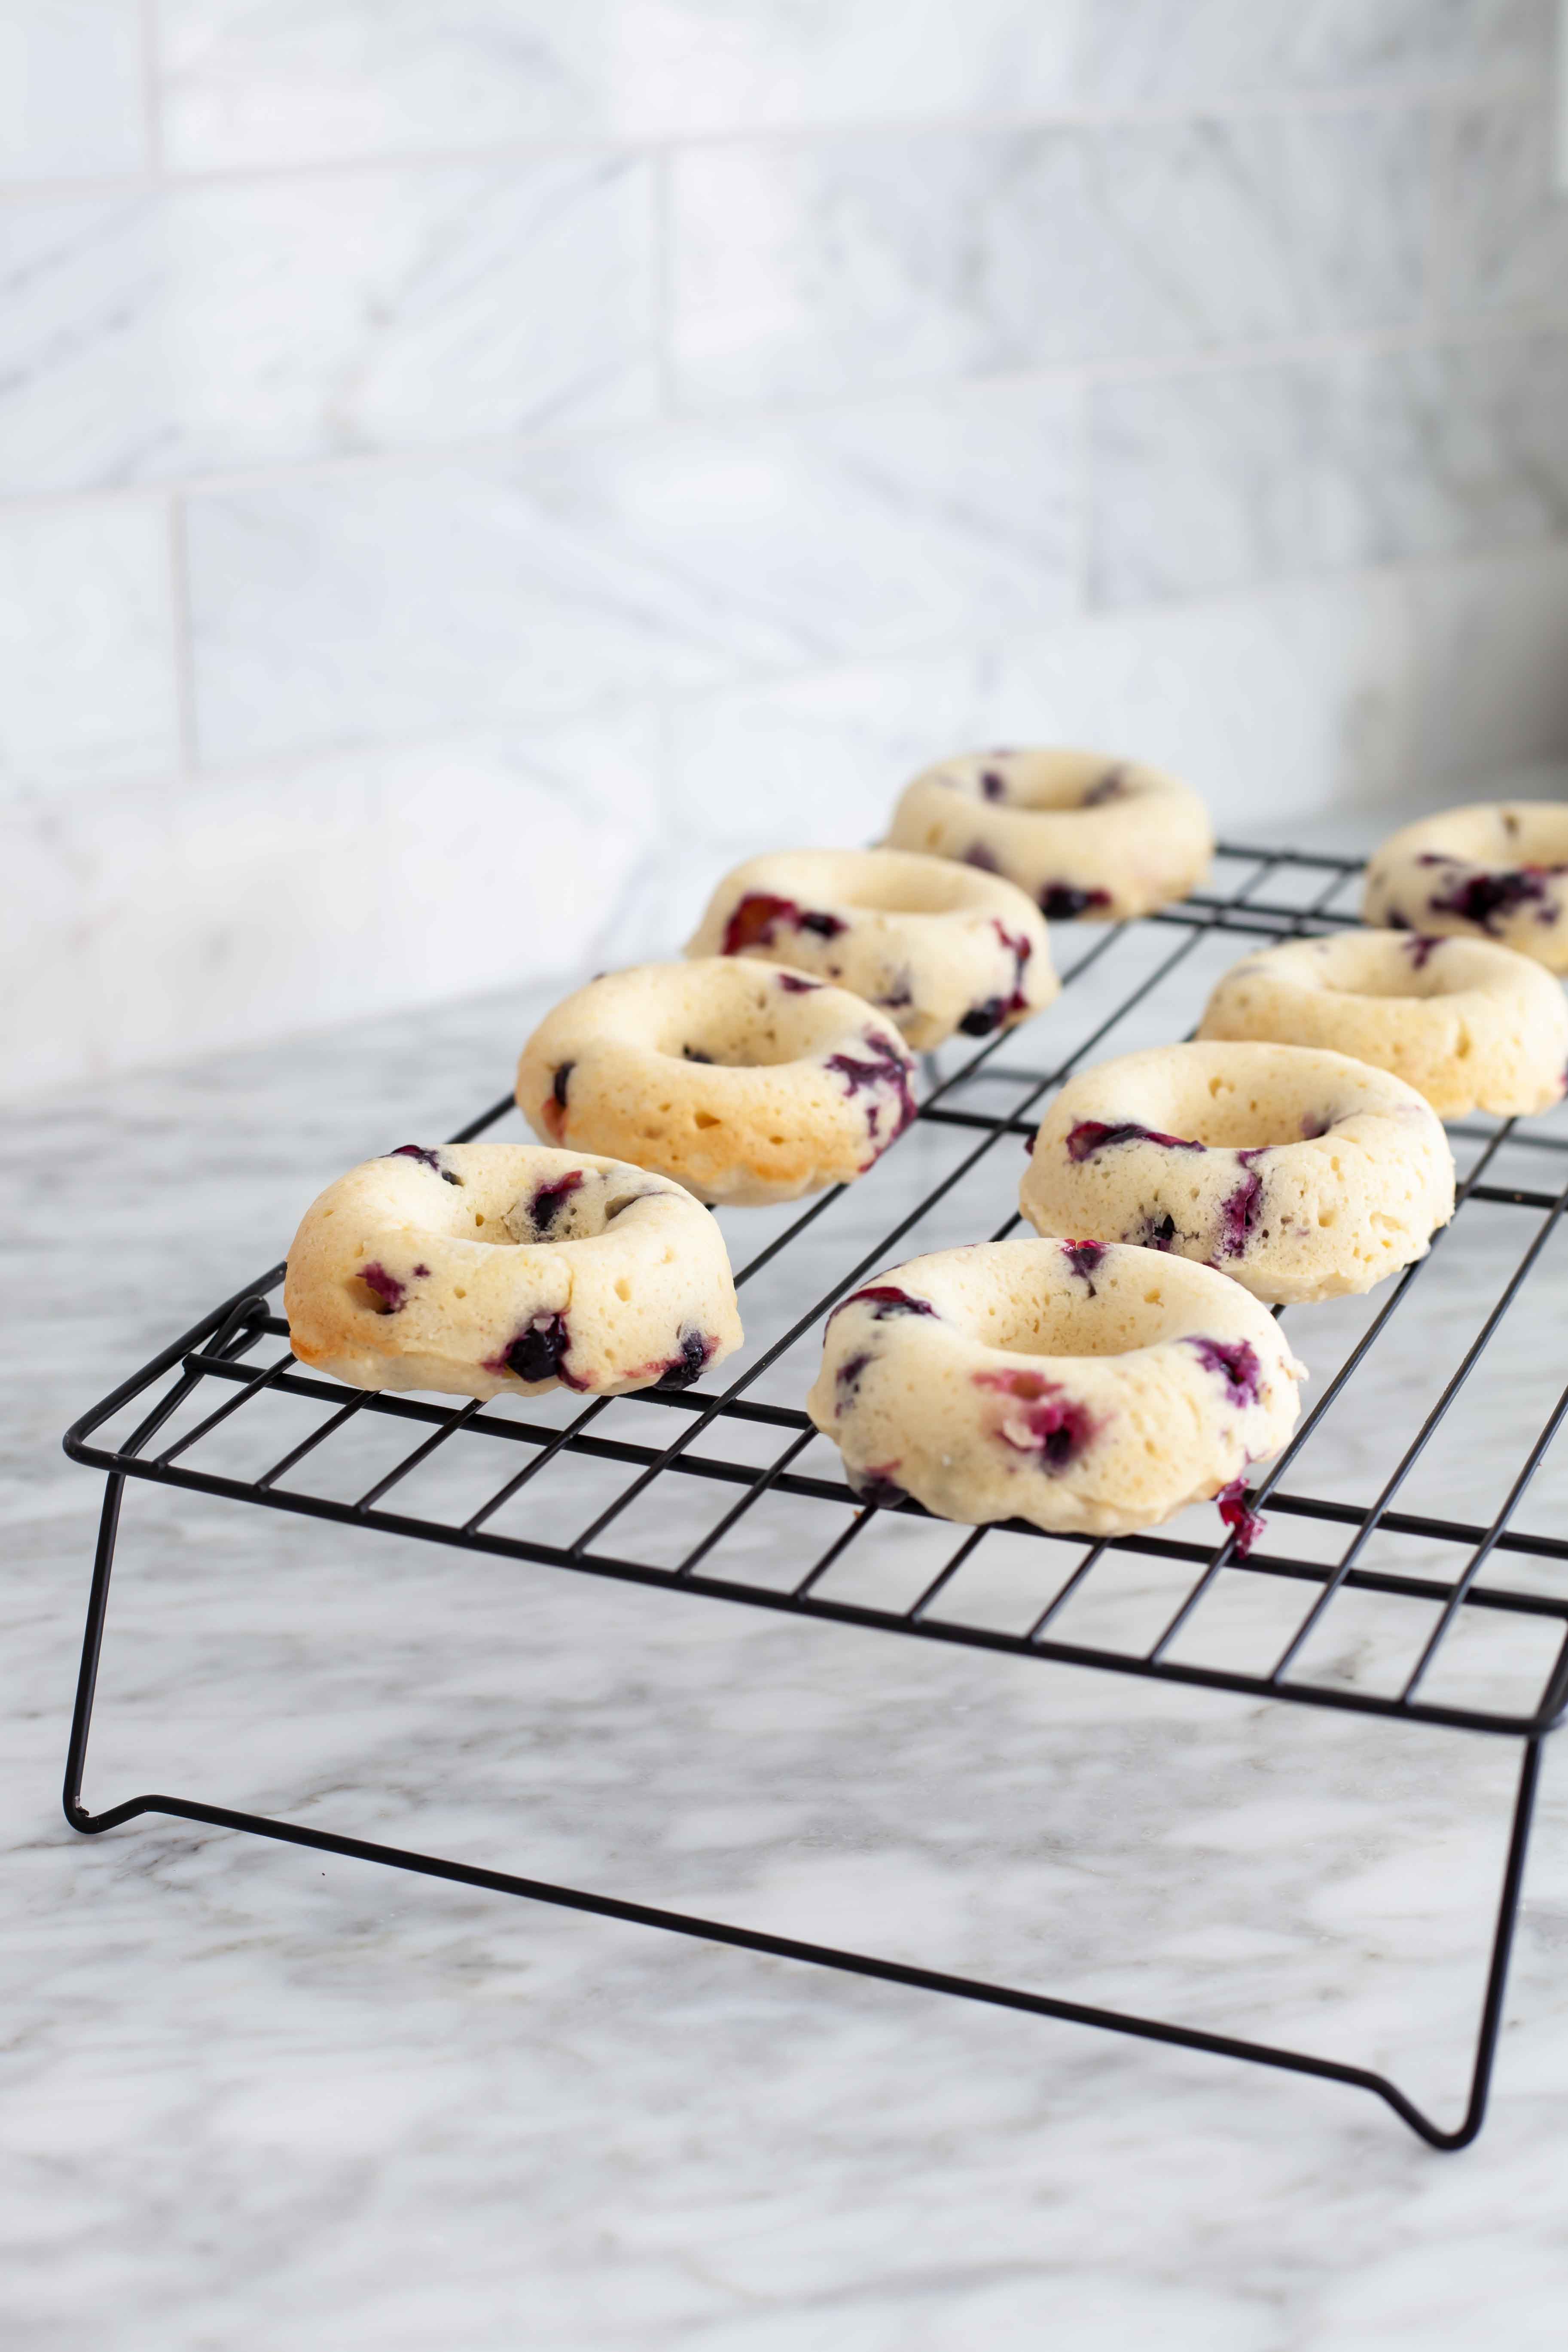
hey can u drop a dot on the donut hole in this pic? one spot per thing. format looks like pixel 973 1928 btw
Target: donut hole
pixel 1072 1323
pixel 758 1030
pixel 1380 967
pixel 1062 781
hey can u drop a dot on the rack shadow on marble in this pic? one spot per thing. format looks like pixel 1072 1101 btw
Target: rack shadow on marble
pixel 212 1361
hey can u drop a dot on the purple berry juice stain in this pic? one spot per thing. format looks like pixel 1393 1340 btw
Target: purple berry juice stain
pixel 1092 1135
pixel 1064 902
pixel 1244 1522
pixel 1084 1258
pixel 876 1485
pixel 386 1286
pixel 431 1160
pixel 680 1370
pixel 1047 1424
pixel 1235 1361
pixel 547 1202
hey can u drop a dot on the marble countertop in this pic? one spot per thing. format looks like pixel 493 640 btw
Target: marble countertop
pixel 256 2097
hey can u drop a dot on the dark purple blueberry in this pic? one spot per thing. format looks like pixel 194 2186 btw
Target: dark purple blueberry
pixel 545 1205
pixel 1111 787
pixel 431 1160
pixel 1020 949
pixel 849 1371
pixel 1397 920
pixel 1478 898
pixel 982 1019
pixel 759 914
pixel 887 1068
pixel 1418 946
pixel 558 1083
pixel 420 1271
pixel 1063 902
pixel 876 1486
pixel 1092 1135
pixel 1051 1425
pixel 1156 1232
pixel 1236 1364
pixel 884 1300
pixel 792 982
pixel 902 994
pixel 538 1353
pixel 682 1369
pixel 386 1286
pixel 992 785
pixel 978 854
pixel 1239 1213
pixel 1084 1257
pixel 1238 1516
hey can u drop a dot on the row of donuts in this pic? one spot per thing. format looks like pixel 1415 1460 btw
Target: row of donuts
pixel 777 1059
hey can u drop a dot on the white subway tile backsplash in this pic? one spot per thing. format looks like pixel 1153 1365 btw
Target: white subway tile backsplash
pixel 159 919
pixel 71 102
pixel 86 655
pixel 248 81
pixel 1505 213
pixel 1205 481
pixel 1132 50
pixel 1279 698
pixel 1490 649
pixel 212 328
pixel 816 266
pixel 337 611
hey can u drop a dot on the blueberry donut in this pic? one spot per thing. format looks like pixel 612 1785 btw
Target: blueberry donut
pixel 1494 871
pixel 489 1267
pixel 1302 1174
pixel 1086 1388
pixel 938 946
pixel 744 1082
pixel 1083 835
pixel 1468 1024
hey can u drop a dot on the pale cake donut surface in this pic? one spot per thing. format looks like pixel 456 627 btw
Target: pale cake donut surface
pixel 938 946
pixel 742 1081
pixel 1300 1173
pixel 483 1268
pixel 1498 870
pixel 1081 833
pixel 1470 1025
pixel 1090 1389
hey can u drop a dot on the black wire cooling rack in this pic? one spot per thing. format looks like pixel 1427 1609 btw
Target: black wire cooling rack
pixel 728 1494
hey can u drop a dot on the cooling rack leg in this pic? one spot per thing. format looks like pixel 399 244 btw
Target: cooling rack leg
pixel 718 1931
pixel 1497 1974
pixel 92 1646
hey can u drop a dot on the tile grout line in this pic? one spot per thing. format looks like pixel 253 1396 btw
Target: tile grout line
pixel 1523 324
pixel 1083 115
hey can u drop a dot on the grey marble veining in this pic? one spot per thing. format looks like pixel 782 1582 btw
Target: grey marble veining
pixel 818 266
pixel 1203 481
pixel 326 611
pixel 254 2095
pixel 202 329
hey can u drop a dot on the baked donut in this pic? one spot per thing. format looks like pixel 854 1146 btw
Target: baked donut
pixel 1301 1174
pixel 1468 1024
pixel 1086 1388
pixel 936 946
pixel 489 1267
pixel 1084 834
pixel 743 1082
pixel 1497 871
